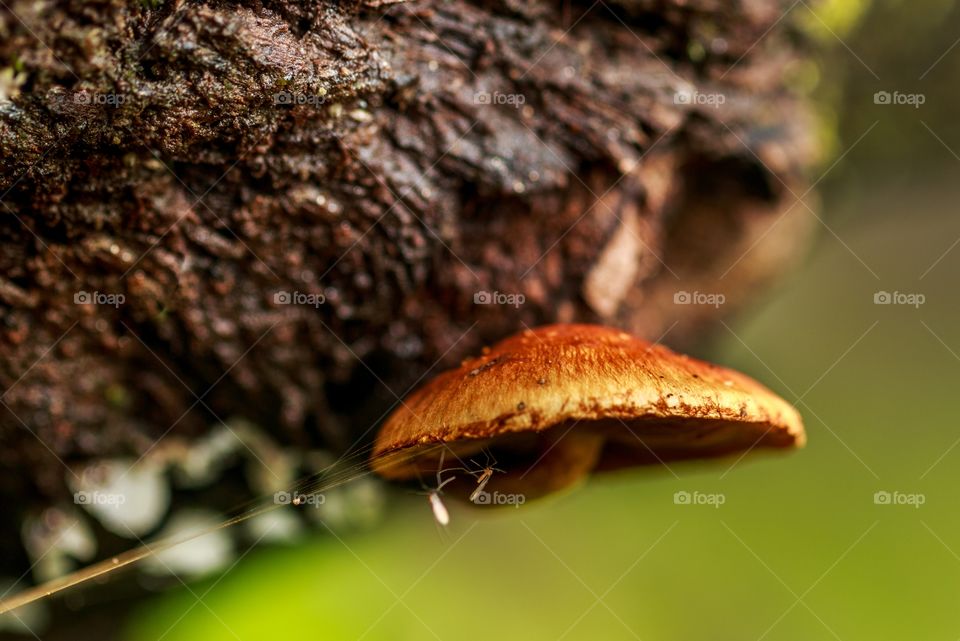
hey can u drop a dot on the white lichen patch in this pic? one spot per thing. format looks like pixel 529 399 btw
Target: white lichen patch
pixel 201 462
pixel 277 526
pixel 55 540
pixel 126 496
pixel 193 557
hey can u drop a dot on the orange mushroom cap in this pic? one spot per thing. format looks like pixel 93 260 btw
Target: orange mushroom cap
pixel 555 403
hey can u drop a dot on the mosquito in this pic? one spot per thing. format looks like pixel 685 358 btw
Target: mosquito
pixel 483 477
pixel 440 512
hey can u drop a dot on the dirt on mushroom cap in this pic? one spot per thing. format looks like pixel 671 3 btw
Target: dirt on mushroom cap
pixel 639 402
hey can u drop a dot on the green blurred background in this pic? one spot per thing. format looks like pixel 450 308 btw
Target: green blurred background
pixel 799 550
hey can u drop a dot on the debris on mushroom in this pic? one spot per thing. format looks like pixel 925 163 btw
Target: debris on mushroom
pixel 556 403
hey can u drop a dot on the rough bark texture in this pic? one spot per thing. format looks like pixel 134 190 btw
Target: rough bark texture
pixel 203 158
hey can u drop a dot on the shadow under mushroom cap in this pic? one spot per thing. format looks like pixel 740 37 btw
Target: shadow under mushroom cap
pixel 553 404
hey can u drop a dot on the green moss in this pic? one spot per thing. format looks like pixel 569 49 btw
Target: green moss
pixel 117 396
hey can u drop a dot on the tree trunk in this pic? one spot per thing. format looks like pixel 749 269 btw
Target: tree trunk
pixel 294 210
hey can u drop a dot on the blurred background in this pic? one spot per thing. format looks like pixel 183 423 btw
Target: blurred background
pixel 856 536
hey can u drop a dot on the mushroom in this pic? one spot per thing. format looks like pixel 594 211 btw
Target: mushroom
pixel 553 404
